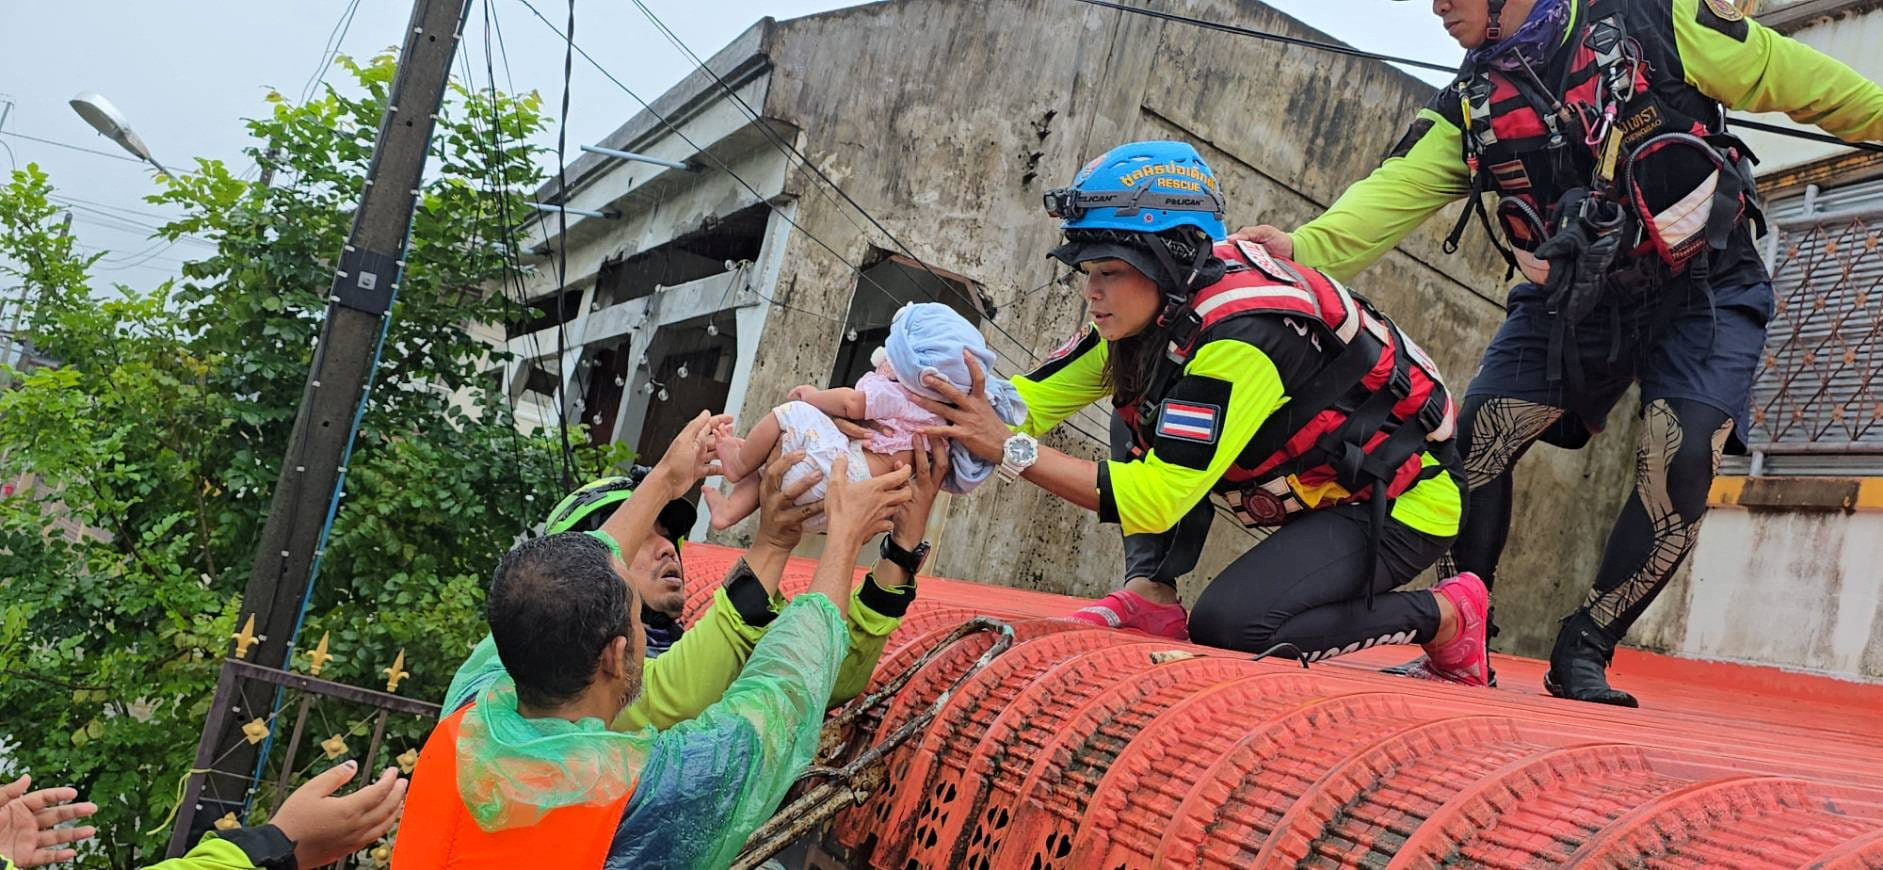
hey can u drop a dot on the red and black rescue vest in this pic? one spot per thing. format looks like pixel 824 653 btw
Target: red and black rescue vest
pixel 1618 120
pixel 1355 429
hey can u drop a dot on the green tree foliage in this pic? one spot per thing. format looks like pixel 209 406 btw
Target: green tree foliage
pixel 165 422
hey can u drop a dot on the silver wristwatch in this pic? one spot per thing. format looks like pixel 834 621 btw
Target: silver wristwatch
pixel 1018 455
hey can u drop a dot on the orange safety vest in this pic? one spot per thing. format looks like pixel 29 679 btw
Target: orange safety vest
pixel 437 831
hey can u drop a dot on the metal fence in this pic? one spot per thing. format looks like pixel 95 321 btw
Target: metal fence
pixel 329 720
pixel 1819 388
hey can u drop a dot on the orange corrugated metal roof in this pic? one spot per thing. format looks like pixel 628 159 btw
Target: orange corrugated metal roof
pixel 1084 747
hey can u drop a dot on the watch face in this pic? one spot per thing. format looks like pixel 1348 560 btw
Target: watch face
pixel 1022 450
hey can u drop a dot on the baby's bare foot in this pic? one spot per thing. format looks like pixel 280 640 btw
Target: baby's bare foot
pixel 731 463
pixel 720 508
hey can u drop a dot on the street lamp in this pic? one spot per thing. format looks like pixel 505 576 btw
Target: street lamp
pixel 110 123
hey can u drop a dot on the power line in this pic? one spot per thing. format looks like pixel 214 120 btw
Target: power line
pixel 56 143
pixel 64 197
pixel 330 50
pixel 497 189
pixel 791 151
pixel 562 253
pixel 1337 48
pixel 1264 35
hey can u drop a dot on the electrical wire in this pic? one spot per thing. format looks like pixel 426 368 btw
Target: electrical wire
pixel 791 152
pixel 562 255
pixel 93 151
pixel 497 189
pixel 1337 48
pixel 330 51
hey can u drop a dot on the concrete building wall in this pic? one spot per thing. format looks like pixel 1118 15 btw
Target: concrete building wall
pixel 946 121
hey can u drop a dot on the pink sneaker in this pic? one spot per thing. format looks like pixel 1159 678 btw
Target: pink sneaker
pixel 1464 659
pixel 1134 612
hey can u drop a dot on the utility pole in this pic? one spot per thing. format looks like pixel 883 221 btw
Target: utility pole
pixel 364 287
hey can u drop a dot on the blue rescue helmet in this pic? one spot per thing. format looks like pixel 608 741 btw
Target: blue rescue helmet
pixel 1154 204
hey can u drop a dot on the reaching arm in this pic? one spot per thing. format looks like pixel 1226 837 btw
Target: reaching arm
pixel 707 659
pixel 1425 173
pixel 1751 67
pixel 709 783
pixel 688 460
pixel 1227 390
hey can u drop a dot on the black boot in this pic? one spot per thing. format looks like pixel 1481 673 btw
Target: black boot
pixel 1579 663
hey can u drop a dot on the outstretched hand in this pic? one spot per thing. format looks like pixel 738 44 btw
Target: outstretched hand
pixel 860 510
pixel 972 421
pixel 930 468
pixel 325 828
pixel 691 457
pixel 29 832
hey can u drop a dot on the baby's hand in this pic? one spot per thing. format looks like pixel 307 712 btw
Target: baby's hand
pixel 800 392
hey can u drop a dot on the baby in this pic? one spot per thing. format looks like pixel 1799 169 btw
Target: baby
pixel 924 338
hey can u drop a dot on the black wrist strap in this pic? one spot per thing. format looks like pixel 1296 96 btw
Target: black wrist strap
pixel 748 596
pixel 893 603
pixel 910 561
pixel 266 846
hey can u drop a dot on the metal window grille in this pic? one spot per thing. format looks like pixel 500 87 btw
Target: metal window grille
pixel 1818 395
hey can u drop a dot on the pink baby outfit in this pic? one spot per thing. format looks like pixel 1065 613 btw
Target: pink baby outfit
pixel 893 409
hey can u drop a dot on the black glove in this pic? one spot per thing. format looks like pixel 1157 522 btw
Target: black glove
pixel 1580 254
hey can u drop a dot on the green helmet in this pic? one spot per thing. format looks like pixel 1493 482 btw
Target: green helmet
pixel 589 506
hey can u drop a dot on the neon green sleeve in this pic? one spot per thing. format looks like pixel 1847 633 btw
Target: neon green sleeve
pixel 210 854
pixel 711 781
pixel 1152 494
pixel 1064 384
pixel 1760 70
pixel 688 678
pixel 869 631
pixel 1382 208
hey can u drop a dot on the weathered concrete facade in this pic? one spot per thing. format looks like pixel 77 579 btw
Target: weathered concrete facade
pixel 946 120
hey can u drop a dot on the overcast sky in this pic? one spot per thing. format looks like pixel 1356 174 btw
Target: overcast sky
pixel 186 72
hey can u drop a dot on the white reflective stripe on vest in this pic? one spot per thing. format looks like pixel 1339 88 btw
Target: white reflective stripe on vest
pixel 1263 292
pixel 1350 325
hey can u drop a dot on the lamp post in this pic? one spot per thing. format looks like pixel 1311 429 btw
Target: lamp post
pixel 111 124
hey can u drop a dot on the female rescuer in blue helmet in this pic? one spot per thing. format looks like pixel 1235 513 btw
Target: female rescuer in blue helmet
pixel 1236 374
pixel 1597 127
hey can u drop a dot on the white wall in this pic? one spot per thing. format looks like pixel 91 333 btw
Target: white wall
pixel 1789 588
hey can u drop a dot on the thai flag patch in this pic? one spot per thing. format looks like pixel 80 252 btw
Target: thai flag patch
pixel 1190 421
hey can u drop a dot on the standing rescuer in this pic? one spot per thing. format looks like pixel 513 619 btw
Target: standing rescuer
pixel 1267 384
pixel 1597 125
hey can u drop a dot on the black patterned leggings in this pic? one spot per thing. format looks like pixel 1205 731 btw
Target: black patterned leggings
pixel 1681 444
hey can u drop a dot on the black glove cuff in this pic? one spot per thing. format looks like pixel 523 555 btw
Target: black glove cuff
pixel 888 602
pixel 748 596
pixel 265 846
